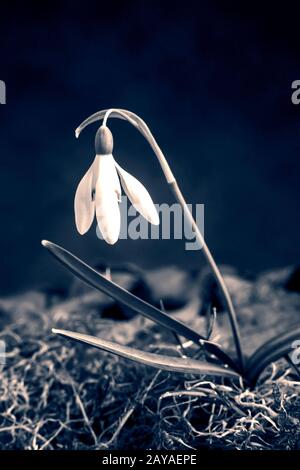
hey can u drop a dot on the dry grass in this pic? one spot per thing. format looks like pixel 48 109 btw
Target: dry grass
pixel 59 395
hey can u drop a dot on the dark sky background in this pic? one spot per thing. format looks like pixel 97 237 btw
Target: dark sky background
pixel 213 82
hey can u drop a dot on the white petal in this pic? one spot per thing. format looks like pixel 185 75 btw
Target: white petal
pixel 84 206
pixel 107 194
pixel 139 196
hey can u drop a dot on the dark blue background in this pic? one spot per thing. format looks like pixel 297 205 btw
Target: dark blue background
pixel 212 80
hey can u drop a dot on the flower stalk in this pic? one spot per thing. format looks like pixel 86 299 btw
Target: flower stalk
pixel 141 126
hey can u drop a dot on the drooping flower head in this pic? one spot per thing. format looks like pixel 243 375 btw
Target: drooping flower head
pixel 99 192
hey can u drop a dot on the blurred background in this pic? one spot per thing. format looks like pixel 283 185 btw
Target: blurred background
pixel 213 82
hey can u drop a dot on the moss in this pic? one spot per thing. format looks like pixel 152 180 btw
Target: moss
pixel 56 394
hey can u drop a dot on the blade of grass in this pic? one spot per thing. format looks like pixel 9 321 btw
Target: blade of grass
pixel 211 321
pixel 175 364
pixel 100 282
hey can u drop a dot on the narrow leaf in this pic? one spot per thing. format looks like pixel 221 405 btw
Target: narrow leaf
pixel 175 364
pixel 270 352
pixel 100 282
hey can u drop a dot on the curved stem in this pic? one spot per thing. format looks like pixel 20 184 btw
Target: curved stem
pixel 106 116
pixel 137 122
pixel 216 272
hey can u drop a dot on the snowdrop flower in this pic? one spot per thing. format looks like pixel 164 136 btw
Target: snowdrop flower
pixel 99 192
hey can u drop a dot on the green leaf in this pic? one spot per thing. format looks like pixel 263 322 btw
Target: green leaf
pixel 174 364
pixel 270 352
pixel 100 282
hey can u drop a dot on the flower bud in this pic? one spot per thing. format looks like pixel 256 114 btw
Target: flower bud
pixel 104 141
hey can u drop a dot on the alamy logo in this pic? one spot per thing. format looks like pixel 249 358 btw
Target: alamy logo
pixel 295 97
pixel 2 92
pixel 296 353
pixel 173 224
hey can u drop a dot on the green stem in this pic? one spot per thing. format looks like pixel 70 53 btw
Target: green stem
pixel 216 272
